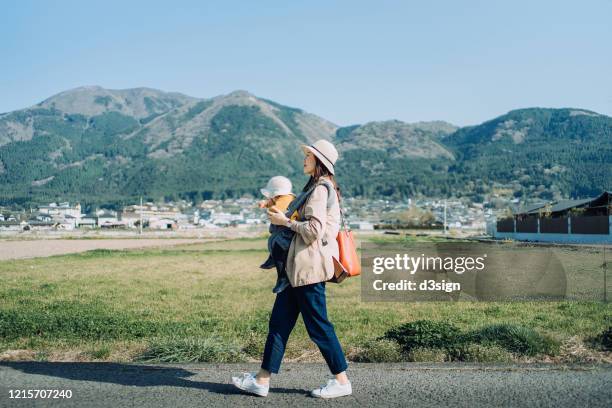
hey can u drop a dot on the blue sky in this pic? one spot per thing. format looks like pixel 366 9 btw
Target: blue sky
pixel 348 61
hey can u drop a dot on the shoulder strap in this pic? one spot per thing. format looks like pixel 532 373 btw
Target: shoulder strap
pixel 303 196
pixel 298 201
pixel 330 200
pixel 330 192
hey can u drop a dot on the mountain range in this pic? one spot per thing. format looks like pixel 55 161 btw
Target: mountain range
pixel 101 146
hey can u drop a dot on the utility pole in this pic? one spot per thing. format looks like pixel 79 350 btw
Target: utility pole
pixel 140 215
pixel 444 216
pixel 605 263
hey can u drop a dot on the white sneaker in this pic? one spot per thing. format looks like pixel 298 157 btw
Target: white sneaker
pixel 332 389
pixel 249 384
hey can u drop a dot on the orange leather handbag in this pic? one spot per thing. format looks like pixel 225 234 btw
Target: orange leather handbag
pixel 349 263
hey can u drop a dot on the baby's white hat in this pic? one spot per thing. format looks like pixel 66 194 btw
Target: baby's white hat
pixel 277 185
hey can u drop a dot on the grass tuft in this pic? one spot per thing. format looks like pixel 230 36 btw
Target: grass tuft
pixel 492 343
pixel 192 350
pixel 603 340
pixel 518 339
pixel 427 355
pixel 379 351
pixel 75 320
pixel 478 353
pixel 424 333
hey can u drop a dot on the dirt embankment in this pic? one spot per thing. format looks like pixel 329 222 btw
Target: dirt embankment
pixel 48 247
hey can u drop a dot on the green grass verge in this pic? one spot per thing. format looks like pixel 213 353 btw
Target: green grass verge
pixel 111 304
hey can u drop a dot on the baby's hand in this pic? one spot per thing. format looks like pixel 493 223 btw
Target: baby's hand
pixel 266 203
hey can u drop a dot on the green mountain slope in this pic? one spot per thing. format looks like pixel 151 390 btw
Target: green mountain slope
pixel 99 146
pixel 394 159
pixel 103 146
pixel 539 152
pixel 536 152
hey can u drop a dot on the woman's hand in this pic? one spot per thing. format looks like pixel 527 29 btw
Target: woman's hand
pixel 277 217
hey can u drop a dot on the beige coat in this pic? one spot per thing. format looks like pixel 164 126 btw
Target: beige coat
pixel 310 255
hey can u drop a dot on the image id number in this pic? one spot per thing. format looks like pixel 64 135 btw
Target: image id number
pixel 34 394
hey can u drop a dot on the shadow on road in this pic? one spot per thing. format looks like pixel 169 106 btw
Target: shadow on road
pixel 128 374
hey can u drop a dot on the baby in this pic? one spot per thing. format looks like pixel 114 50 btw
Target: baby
pixel 278 195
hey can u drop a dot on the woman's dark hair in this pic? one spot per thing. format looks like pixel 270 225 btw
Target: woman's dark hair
pixel 321 170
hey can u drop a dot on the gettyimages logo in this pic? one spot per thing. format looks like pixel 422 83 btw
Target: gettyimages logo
pixel 414 264
pixel 475 271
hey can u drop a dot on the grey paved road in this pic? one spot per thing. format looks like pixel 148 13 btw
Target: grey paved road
pixel 401 385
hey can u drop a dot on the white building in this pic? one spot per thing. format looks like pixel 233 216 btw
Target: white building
pixel 149 212
pixel 106 217
pixel 61 210
pixel 12 225
pixel 191 215
pixel 208 224
pixel 88 221
pixel 163 223
pixel 223 218
pixel 362 225
pixel 69 222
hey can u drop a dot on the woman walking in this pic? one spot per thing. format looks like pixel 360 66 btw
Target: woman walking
pixel 309 265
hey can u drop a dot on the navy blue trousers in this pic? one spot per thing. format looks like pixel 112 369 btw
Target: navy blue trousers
pixel 310 301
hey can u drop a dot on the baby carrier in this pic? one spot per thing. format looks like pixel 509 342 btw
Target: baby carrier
pixel 281 236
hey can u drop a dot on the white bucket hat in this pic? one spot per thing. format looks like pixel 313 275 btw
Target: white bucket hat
pixel 325 151
pixel 277 185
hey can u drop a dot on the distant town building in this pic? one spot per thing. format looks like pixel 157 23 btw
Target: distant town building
pixel 191 215
pixel 40 216
pixel 106 217
pixel 162 224
pixel 12 225
pixel 572 221
pixel 149 213
pixel 61 210
pixel 362 225
pixel 69 222
pixel 88 221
